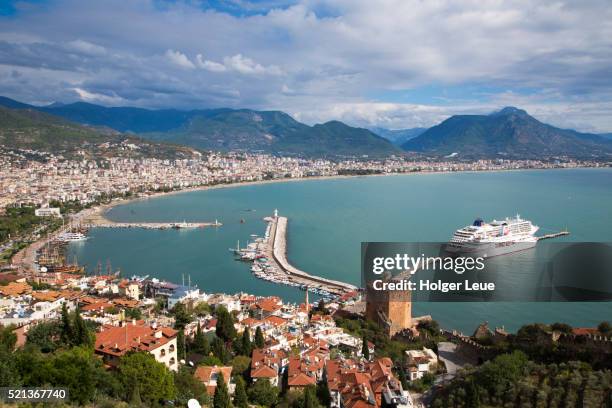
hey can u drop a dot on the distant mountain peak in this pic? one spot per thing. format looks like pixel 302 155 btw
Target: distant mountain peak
pixel 510 110
pixel 509 133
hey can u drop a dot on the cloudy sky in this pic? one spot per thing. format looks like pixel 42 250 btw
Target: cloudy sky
pixel 389 63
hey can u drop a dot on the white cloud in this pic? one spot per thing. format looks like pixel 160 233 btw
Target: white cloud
pixel 246 65
pixel 385 63
pixel 96 97
pixel 86 47
pixel 180 59
pixel 211 66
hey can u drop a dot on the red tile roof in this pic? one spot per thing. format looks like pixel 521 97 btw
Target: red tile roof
pixel 137 336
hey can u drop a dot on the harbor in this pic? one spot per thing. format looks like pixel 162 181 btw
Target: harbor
pixel 269 257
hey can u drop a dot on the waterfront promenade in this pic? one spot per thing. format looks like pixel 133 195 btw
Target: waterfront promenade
pixel 276 249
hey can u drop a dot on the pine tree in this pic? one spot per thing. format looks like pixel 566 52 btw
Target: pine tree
pixel 225 325
pixel 180 344
pixel 240 395
pixel 323 393
pixel 82 336
pixel 365 350
pixel 221 398
pixel 259 338
pixel 246 346
pixel 205 346
pixel 220 351
pixel 66 334
pixel 200 342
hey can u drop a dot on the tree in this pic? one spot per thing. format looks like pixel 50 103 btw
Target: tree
pixel 241 365
pixel 430 328
pixel 133 313
pixel 45 335
pixel 259 338
pixel 220 351
pixel 200 343
pixel 153 379
pixel 605 328
pixel 245 344
pixel 323 394
pixel 82 334
pixel 78 370
pixel 66 326
pixel 180 344
pixel 561 327
pixel 310 397
pixel 182 317
pixel 365 350
pixel 188 387
pixel 202 309
pixel 8 338
pixel 225 324
pixel 321 306
pixel 263 393
pixel 240 395
pixel 221 398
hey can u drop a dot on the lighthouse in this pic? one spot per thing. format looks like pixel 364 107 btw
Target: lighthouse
pixel 275 213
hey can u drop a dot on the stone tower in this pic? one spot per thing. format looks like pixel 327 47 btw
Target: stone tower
pixel 391 309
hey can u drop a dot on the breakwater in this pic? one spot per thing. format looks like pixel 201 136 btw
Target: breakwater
pixel 155 225
pixel 278 250
pixel 269 257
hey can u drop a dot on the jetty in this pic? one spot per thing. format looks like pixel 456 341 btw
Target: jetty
pixel 279 254
pixel 553 235
pixel 155 225
pixel 269 257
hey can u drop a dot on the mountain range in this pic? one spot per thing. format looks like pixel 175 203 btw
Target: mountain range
pixel 509 133
pixel 226 129
pixel 31 129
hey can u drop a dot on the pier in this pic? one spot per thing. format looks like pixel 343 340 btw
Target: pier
pixel 276 249
pixel 155 225
pixel 553 235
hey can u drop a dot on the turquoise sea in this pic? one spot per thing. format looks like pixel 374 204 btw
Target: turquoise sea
pixel 328 220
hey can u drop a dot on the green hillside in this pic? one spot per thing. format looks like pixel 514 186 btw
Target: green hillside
pixel 35 130
pixel 510 133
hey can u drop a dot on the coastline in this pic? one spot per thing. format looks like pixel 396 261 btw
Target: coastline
pixel 98 214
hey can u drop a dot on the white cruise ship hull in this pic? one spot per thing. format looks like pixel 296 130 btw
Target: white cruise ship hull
pixel 489 249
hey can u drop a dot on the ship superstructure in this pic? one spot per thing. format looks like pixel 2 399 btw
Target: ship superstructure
pixel 494 237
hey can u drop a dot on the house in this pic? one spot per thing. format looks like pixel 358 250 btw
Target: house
pixel 354 384
pixel 130 289
pixel 267 363
pixel 113 342
pixel 209 375
pixel 305 370
pixel 421 362
pixel 267 307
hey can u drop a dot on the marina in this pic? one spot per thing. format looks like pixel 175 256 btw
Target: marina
pixel 269 257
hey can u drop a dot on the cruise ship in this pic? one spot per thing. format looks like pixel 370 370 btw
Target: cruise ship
pixel 493 238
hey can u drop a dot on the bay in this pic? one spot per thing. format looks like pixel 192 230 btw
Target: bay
pixel 329 218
